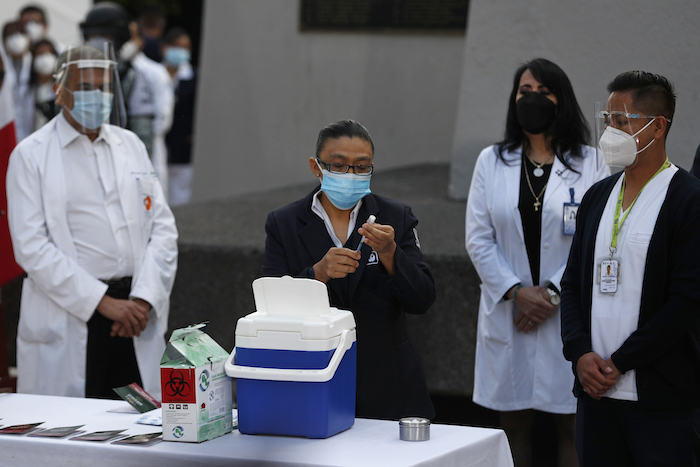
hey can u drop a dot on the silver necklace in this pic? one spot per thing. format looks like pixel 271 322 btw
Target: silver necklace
pixel 539 171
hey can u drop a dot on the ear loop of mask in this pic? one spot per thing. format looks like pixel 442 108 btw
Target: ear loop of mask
pixel 644 128
pixel 634 137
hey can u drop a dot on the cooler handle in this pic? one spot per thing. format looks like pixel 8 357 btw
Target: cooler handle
pixel 279 374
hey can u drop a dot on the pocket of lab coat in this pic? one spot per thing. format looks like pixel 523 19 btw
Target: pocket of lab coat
pixel 40 319
pixel 144 185
pixel 495 319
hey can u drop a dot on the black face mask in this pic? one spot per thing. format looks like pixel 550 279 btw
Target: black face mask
pixel 535 112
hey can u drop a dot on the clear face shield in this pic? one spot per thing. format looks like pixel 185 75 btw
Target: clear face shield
pixel 617 131
pixel 88 88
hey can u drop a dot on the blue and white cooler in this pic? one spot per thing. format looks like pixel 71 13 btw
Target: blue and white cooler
pixel 295 361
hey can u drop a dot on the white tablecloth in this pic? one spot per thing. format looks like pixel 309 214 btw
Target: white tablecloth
pixel 367 443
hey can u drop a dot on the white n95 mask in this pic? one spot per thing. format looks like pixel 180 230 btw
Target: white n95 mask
pixel 35 31
pixel 17 43
pixel 45 63
pixel 620 148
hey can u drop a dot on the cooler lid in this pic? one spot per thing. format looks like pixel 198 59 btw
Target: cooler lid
pixel 290 296
pixel 288 304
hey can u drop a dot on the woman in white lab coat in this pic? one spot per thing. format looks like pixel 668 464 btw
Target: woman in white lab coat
pixel 520 220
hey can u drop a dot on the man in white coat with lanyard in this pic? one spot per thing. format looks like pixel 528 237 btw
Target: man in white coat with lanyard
pixel 91 228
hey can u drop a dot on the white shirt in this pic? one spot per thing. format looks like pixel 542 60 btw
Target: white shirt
pixel 151 94
pixel 318 209
pixel 185 72
pixel 615 316
pixel 94 212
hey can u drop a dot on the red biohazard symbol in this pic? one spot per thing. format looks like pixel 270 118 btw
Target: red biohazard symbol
pixel 147 203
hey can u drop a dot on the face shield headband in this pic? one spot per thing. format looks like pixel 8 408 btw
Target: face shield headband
pixel 82 64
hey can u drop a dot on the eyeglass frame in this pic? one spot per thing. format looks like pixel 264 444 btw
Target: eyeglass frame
pixel 606 114
pixel 327 166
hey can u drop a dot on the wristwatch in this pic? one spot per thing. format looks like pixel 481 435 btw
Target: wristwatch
pixel 554 297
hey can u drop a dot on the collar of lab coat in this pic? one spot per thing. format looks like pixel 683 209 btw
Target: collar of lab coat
pixel 67 134
pixel 555 179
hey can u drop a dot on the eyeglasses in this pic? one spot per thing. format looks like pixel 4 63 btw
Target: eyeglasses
pixel 619 118
pixel 341 168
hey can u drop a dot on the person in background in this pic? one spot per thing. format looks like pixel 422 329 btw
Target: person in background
pixel 33 18
pixel 44 62
pixel 19 66
pixel 633 335
pixel 152 23
pixel 379 277
pixel 518 233
pixel 146 84
pixel 36 24
pixel 177 48
pixel 90 226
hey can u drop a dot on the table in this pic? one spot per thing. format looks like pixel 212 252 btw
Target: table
pixel 367 443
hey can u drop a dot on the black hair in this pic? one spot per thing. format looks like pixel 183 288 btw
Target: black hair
pixel 35 9
pixel 569 131
pixel 652 94
pixel 12 27
pixel 343 128
pixel 151 15
pixel 174 34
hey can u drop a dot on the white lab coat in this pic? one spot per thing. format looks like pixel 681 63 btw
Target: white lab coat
pixel 58 296
pixel 516 371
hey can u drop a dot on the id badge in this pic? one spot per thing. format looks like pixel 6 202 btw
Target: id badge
pixel 570 212
pixel 609 275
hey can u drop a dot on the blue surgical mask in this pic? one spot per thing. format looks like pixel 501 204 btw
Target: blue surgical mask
pixel 344 190
pixel 91 108
pixel 175 56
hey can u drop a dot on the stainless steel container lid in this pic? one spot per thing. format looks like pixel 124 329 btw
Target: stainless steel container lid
pixel 414 422
pixel 414 429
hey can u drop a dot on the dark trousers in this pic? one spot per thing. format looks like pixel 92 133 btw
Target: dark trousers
pixel 617 433
pixel 111 361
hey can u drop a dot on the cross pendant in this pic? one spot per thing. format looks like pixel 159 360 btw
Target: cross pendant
pixel 537 205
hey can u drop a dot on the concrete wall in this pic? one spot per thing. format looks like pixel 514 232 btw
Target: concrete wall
pixel 63 16
pixel 592 41
pixel 266 90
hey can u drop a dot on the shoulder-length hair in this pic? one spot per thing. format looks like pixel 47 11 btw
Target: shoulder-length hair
pixel 570 130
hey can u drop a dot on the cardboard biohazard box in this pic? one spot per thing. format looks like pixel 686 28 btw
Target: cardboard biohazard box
pixel 196 392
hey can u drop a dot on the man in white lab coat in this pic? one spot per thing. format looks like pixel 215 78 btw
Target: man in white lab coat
pixel 91 227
